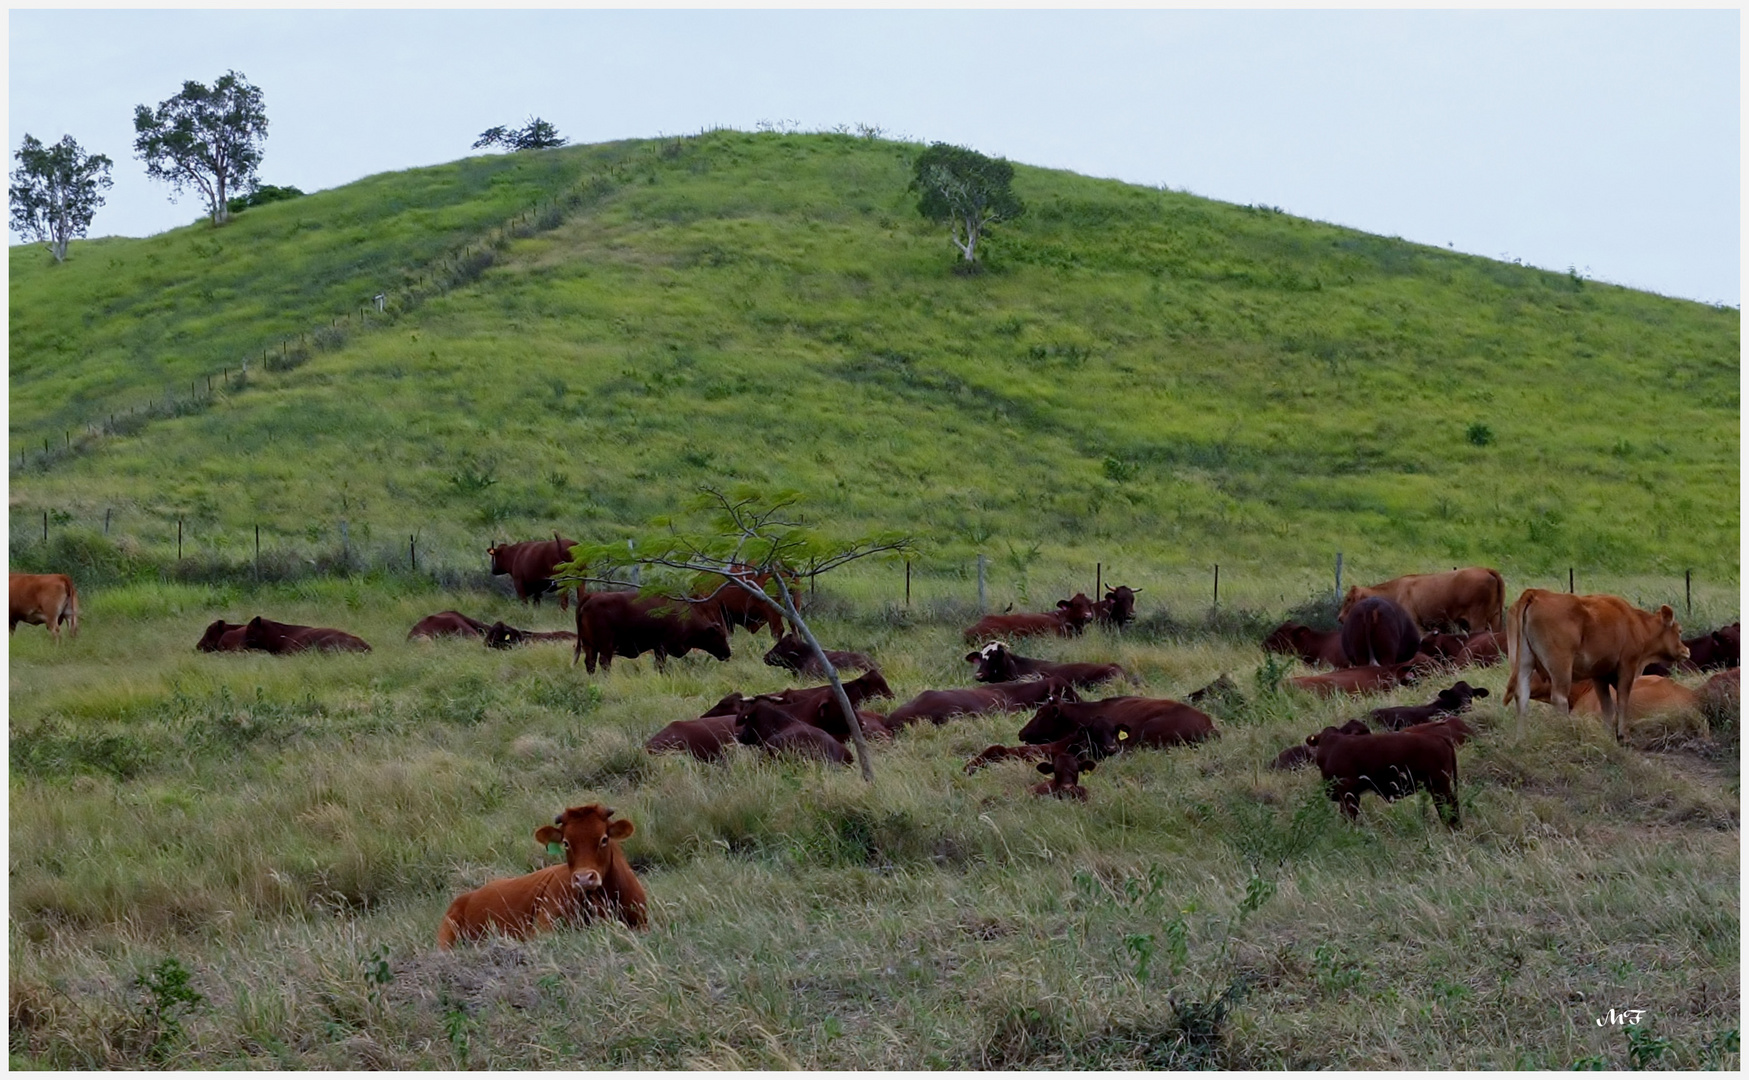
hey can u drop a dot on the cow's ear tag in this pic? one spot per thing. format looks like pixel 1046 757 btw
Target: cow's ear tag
pixel 555 849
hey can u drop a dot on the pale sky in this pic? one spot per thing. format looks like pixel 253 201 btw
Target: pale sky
pixel 1607 141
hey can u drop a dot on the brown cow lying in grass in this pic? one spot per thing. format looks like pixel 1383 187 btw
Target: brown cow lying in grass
pixel 996 663
pixel 1064 769
pixel 222 636
pixel 793 654
pixel 501 635
pixel 1392 764
pixel 594 882
pixel 1360 680
pixel 1315 647
pixel 1070 618
pixel 446 624
pixel 279 638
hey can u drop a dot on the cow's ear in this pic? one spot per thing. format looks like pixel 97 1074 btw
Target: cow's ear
pixel 1087 766
pixel 972 657
pixel 1047 768
pixel 1480 691
pixel 549 834
pixel 620 829
pixel 1667 615
pixel 1062 603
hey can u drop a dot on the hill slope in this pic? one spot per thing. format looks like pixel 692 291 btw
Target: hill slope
pixel 1141 373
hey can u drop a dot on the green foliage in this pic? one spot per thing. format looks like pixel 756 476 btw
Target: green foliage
pixel 262 196
pixel 1645 1048
pixel 966 190
pixel 170 998
pixel 55 191
pixel 1479 434
pixel 205 139
pixel 537 134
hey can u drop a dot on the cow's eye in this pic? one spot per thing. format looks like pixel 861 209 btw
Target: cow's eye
pixel 603 842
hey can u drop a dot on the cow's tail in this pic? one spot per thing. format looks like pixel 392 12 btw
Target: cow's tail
pixel 72 608
pixel 1497 601
pixel 1519 661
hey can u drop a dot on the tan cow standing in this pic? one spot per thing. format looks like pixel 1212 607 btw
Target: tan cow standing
pixel 1601 638
pixel 46 600
pixel 1474 596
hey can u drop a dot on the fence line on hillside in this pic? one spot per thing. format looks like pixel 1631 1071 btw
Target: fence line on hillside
pixel 452 269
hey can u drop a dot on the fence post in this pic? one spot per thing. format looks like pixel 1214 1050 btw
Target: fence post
pixel 1688 592
pixel 179 541
pixel 1217 585
pixel 258 553
pixel 1339 577
pixel 1098 579
pixel 1569 579
pixel 983 606
pixel 345 545
pixel 106 511
pixel 413 553
pixel 45 528
pixel 907 582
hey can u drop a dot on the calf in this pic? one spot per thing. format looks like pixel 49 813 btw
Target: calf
pixel 1070 618
pixel 793 654
pixel 1314 647
pixel 1393 764
pixel 765 725
pixel 446 624
pixel 1064 770
pixel 1118 609
pixel 222 636
pixel 1449 702
pixel 1377 631
pixel 939 706
pixel 501 636
pixel 44 600
pixel 995 664
pixel 1129 722
pixel 594 882
pixel 283 638
pixel 1296 756
pixel 1360 680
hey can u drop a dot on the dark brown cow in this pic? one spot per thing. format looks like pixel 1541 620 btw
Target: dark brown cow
pixel 503 636
pixel 1453 728
pixel 1070 618
pixel 706 738
pixel 1448 702
pixel 1471 598
pixel 1603 638
pixel 594 882
pixel 1315 647
pixel 939 706
pixel 1118 608
pixel 736 606
pixel 222 636
pixel 1482 649
pixel 281 639
pixel 1718 650
pixel 1392 764
pixel 1064 770
pixel 793 654
pixel 1376 631
pixel 1087 744
pixel 44 600
pixel 1300 754
pixel 1360 680
pixel 817 705
pixel 530 565
pixel 1131 722
pixel 997 664
pixel 613 624
pixel 446 624
pixel 773 729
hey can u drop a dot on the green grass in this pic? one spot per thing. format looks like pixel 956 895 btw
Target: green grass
pixel 1141 376
pixel 272 824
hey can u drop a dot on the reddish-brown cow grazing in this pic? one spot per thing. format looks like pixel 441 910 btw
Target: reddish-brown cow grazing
pixel 45 600
pixel 1131 722
pixel 1300 754
pixel 1603 638
pixel 1064 770
pixel 766 725
pixel 613 624
pixel 1448 702
pixel 502 636
pixel 1471 598
pixel 1360 680
pixel 1070 618
pixel 281 639
pixel 1482 649
pixel 530 566
pixel 446 624
pixel 939 706
pixel 594 882
pixel 1377 631
pixel 997 664
pixel 1392 763
pixel 222 636
pixel 736 606
pixel 1118 609
pixel 793 654
pixel 1312 646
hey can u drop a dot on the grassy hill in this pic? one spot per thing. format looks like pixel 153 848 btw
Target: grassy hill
pixel 1139 372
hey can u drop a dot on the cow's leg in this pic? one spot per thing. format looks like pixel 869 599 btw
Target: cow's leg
pixel 661 659
pixel 1624 685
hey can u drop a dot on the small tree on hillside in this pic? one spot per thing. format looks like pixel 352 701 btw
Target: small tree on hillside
pixel 55 192
pixel 749 535
pixel 967 190
pixel 206 139
pixel 536 135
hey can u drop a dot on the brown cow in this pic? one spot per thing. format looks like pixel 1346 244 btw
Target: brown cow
pixel 706 738
pixel 1720 649
pixel 1377 631
pixel 735 606
pixel 1131 722
pixel 281 639
pixel 1603 638
pixel 1312 646
pixel 1453 728
pixel 446 624
pixel 1064 769
pixel 939 706
pixel 1300 754
pixel 1448 702
pixel 1471 598
pixel 613 624
pixel 818 706
pixel 765 725
pixel 1118 609
pixel 1360 680
pixel 222 636
pixel 1483 649
pixel 503 636
pixel 594 882
pixel 45 600
pixel 997 664
pixel 793 654
pixel 1653 696
pixel 1070 618
pixel 530 565
pixel 1391 763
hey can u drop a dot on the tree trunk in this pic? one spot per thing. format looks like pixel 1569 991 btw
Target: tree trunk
pixel 843 699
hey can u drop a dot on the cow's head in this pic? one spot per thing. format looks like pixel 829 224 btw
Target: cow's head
pixel 1283 639
pixel 501 636
pixel 995 663
pixel 500 556
pixel 759 719
pixel 257 634
pixel 1121 601
pixel 1457 698
pixel 789 652
pixel 1067 767
pixel 1355 595
pixel 209 641
pixel 1077 610
pixel 1666 638
pixel 711 636
pixel 587 838
pixel 869 684
pixel 730 705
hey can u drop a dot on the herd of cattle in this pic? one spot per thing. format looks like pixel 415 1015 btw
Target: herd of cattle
pixel 1588 653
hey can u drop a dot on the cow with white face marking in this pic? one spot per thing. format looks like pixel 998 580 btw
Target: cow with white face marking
pixel 996 663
